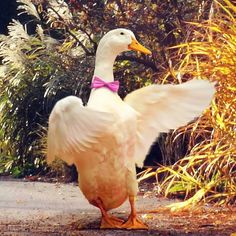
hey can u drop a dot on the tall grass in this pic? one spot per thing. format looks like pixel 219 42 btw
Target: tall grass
pixel 208 172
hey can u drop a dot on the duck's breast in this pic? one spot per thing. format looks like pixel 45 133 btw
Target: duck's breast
pixel 107 170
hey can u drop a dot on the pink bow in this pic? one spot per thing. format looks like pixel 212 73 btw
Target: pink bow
pixel 99 83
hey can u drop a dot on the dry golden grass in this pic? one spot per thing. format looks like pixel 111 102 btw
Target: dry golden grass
pixel 208 173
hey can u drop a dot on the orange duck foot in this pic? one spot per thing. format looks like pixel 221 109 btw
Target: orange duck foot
pixel 111 222
pixel 134 223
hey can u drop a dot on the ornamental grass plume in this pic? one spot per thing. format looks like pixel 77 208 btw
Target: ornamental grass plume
pixel 208 172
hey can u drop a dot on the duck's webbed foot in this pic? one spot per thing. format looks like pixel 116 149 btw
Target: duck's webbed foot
pixel 108 222
pixel 133 222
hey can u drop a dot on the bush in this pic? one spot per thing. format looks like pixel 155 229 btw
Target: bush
pixel 34 75
pixel 209 171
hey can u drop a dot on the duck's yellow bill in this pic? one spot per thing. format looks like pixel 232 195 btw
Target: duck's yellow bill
pixel 136 46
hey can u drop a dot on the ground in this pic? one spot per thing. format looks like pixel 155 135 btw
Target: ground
pixel 37 208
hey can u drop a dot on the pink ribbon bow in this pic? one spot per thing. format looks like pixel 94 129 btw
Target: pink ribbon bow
pixel 99 83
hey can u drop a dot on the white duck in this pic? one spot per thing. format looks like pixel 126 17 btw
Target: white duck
pixel 106 138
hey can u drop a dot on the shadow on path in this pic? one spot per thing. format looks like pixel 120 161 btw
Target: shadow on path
pixel 36 208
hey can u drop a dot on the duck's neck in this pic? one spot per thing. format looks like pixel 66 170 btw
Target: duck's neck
pixel 104 66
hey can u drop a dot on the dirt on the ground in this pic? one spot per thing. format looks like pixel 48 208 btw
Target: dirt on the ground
pixel 35 208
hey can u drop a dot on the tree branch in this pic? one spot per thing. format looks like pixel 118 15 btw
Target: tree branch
pixel 95 45
pixel 139 60
pixel 72 34
pixel 119 58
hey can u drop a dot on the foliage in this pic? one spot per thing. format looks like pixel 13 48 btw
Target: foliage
pixel 23 75
pixel 34 75
pixel 38 70
pixel 209 171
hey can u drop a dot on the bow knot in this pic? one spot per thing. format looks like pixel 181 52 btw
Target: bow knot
pixel 99 83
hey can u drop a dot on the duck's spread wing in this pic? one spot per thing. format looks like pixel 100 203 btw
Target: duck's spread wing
pixel 165 107
pixel 74 128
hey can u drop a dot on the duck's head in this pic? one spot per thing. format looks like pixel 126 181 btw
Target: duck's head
pixel 120 40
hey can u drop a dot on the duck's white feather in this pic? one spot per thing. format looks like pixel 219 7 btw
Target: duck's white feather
pixel 165 107
pixel 74 128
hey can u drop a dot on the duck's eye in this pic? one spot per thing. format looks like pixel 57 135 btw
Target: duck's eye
pixel 122 33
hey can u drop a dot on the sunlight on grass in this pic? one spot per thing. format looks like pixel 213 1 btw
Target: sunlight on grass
pixel 208 173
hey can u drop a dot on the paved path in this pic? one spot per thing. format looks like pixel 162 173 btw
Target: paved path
pixel 36 208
